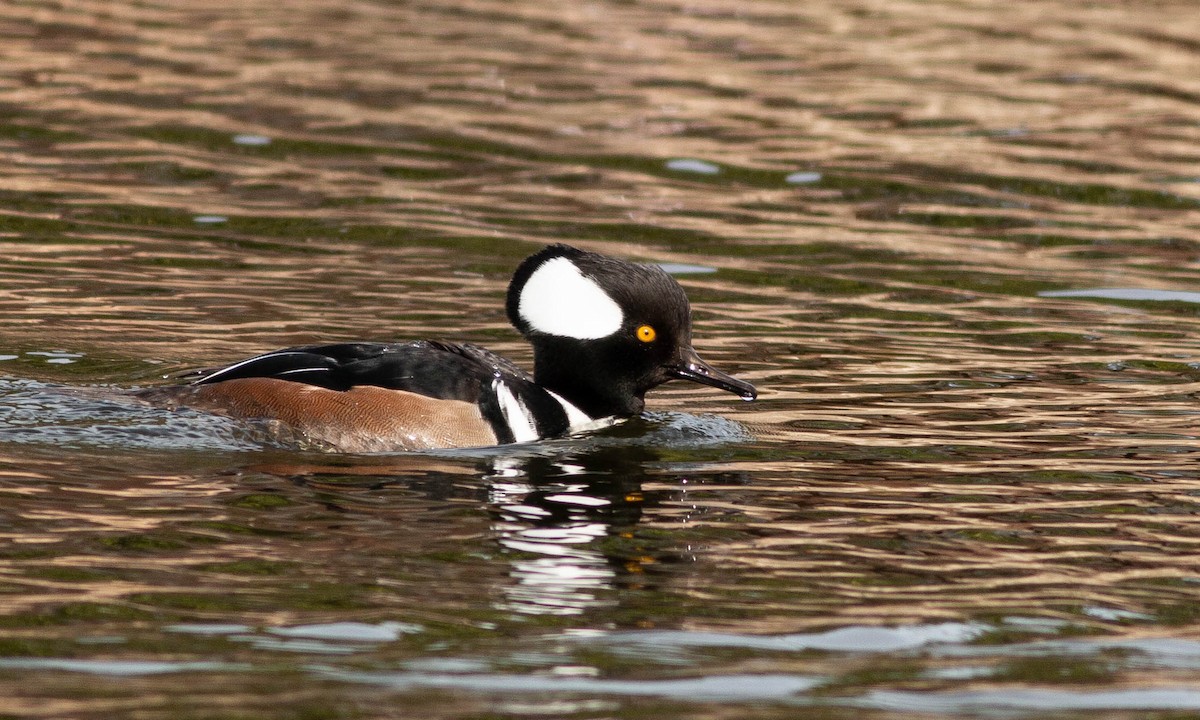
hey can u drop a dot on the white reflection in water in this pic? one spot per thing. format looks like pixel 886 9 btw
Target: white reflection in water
pixel 777 687
pixel 251 140
pixel 118 667
pixel 334 638
pixel 565 576
pixel 1034 699
pixel 1126 294
pixel 801 178
pixel 686 269
pixel 693 166
pixel 846 639
pixel 349 631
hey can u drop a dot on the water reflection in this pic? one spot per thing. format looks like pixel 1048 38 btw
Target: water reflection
pixel 1136 294
pixel 555 514
pixel 555 510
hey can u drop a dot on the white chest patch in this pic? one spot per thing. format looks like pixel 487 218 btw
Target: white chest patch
pixel 559 300
pixel 578 420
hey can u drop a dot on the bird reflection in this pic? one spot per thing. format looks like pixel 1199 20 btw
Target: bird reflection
pixel 554 515
pixel 564 517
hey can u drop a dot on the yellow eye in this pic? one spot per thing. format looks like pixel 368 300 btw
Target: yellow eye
pixel 646 334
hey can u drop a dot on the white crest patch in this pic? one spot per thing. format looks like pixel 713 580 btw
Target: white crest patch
pixel 559 300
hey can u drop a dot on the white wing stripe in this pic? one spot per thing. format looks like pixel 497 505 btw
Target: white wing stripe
pixel 304 370
pixel 235 366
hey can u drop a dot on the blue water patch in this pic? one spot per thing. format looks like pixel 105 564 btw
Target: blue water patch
pixel 299 645
pixel 557 674
pixel 208 628
pixel 250 140
pixel 1126 294
pixel 1158 652
pixel 55 357
pixel 130 668
pixel 700 167
pixel 334 638
pixel 803 178
pixel 685 269
pixel 1115 614
pixel 708 688
pixel 855 638
pixel 349 631
pixel 1035 699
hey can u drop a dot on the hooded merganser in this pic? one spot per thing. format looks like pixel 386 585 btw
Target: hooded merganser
pixel 603 331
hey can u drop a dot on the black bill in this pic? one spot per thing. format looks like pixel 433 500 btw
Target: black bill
pixel 691 367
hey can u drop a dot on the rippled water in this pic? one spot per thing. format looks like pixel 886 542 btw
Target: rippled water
pixel 954 244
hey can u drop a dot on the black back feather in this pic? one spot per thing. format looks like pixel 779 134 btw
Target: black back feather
pixel 446 371
pixel 440 370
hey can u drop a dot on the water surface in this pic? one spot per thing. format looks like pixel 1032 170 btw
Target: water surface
pixel 955 246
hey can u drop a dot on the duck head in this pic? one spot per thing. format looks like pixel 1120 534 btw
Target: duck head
pixel 605 331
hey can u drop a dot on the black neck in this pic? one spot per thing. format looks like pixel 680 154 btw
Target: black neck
pixel 586 385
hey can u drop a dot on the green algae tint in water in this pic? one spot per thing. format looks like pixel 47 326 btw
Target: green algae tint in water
pixel 955 248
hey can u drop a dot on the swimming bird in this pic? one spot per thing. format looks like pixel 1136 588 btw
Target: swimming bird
pixel 604 331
